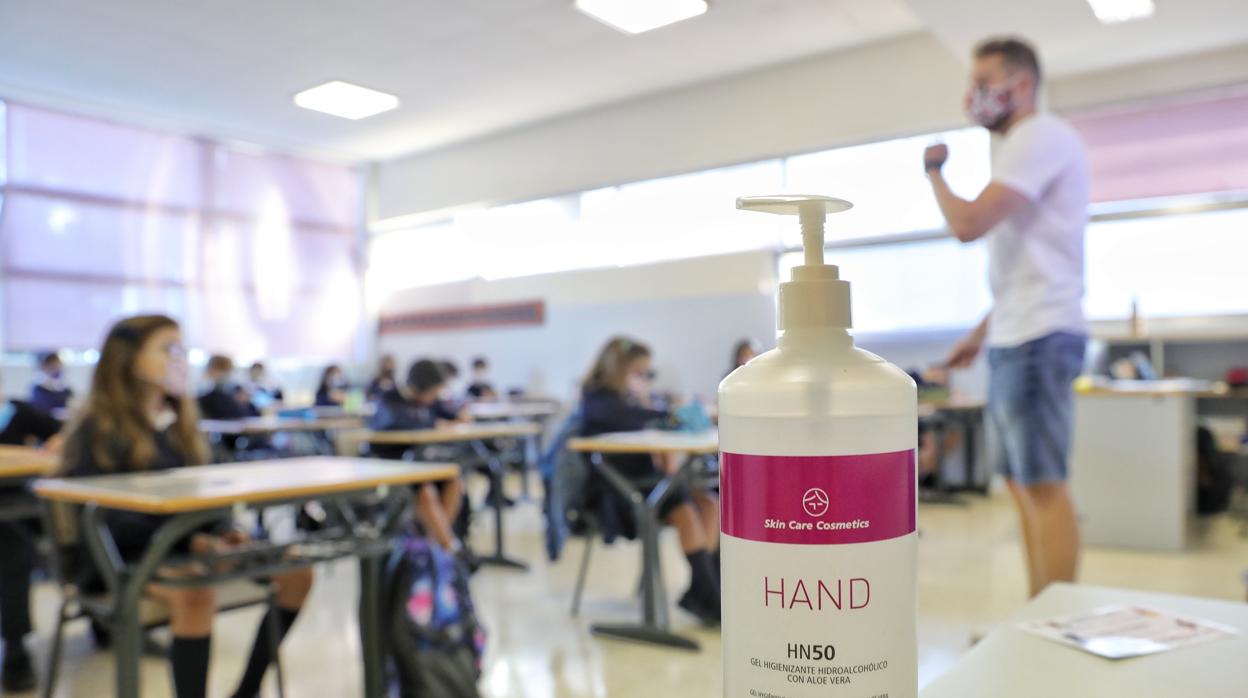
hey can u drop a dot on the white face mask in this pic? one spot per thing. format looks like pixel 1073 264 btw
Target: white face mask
pixel 991 105
pixel 639 386
pixel 176 377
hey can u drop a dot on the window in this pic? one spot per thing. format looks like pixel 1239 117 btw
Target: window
pixel 1177 265
pixel 102 220
pixel 886 183
pixel 926 285
pixel 678 217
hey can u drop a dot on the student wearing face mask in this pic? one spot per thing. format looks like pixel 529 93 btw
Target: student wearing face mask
pixel 224 399
pixel 416 406
pixel 49 392
pixel 332 391
pixel 481 388
pixel 1033 214
pixel 615 398
pixel 138 418
pixel 264 391
pixel 383 384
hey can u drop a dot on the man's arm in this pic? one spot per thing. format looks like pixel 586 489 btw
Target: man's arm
pixel 966 351
pixel 969 220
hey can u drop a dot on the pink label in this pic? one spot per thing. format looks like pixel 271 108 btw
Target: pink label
pixel 818 500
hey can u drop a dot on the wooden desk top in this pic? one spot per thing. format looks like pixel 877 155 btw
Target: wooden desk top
pixel 649 441
pixel 445 435
pixel 270 425
pixel 512 410
pixel 215 486
pixel 1012 662
pixel 25 461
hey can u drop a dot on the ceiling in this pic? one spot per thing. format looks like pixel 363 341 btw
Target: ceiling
pixel 1070 38
pixel 461 68
pixel 466 68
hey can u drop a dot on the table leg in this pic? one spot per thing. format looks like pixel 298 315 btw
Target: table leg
pixel 655 623
pixel 370 634
pixel 970 432
pixel 127 583
pixel 495 468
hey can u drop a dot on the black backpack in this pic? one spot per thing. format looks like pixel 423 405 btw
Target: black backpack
pixel 434 639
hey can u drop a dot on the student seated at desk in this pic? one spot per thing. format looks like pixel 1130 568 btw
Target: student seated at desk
pixel 480 388
pixel 224 398
pixel 742 353
pixel 417 406
pixel 138 418
pixel 263 389
pixel 384 383
pixel 20 425
pixel 49 391
pixel 613 399
pixel 332 391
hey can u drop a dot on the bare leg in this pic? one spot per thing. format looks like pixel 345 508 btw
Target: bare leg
pixel 1031 543
pixel 1058 529
pixel 688 525
pixel 293 588
pixel 453 498
pixel 433 517
pixel 708 513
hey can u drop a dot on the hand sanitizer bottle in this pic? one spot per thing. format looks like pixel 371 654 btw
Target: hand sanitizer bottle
pixel 818 488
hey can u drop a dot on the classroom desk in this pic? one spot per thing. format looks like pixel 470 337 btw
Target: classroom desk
pixel 191 497
pixel 655 625
pixel 1012 662
pixel 537 412
pixel 252 426
pixel 512 410
pixel 475 436
pixel 18 465
pixel 17 462
pixel 967 415
pixel 1133 460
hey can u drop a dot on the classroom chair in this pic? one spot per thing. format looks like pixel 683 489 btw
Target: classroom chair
pixel 61 524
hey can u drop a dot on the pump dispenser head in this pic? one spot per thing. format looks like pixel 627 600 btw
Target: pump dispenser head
pixel 816 296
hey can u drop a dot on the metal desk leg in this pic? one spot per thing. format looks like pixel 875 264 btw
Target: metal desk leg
pixel 499 557
pixel 656 624
pixel 970 422
pixel 370 618
pixel 127 584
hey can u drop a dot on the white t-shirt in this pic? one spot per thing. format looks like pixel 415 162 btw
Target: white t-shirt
pixel 1035 257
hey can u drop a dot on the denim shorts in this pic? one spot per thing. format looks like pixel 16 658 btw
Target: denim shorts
pixel 1030 410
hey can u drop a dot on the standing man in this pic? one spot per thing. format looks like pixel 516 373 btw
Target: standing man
pixel 1033 214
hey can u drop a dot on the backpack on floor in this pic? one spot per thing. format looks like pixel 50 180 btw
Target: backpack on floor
pixel 434 639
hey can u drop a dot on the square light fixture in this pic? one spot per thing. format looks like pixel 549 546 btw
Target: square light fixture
pixel 346 100
pixel 637 16
pixel 1116 11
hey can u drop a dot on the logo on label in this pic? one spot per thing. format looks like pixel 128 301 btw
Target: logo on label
pixel 815 502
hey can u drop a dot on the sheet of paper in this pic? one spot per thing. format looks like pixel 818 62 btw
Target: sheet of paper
pixel 1118 632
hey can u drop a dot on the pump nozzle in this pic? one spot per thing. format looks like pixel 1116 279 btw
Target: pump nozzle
pixel 816 297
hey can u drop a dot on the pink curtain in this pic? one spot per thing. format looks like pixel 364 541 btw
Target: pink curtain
pixel 254 253
pixel 1174 147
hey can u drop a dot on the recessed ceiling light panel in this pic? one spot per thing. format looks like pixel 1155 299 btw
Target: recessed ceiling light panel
pixel 637 16
pixel 346 100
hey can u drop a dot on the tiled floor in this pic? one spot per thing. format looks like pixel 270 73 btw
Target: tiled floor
pixel 970 579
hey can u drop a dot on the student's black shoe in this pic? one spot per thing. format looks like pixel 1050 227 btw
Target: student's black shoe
pixel 700 608
pixel 18 673
pixel 100 634
pixel 468 560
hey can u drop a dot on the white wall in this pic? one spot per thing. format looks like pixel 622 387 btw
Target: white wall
pixel 904 86
pixel 690 313
pixel 892 88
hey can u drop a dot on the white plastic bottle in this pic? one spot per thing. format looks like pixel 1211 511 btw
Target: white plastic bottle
pixel 818 493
